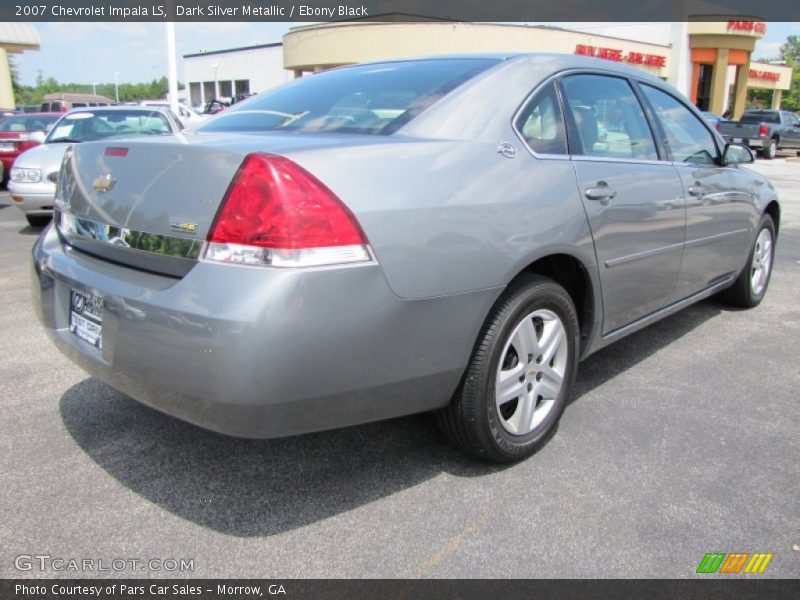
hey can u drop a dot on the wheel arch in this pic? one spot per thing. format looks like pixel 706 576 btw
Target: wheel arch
pixel 574 276
pixel 773 209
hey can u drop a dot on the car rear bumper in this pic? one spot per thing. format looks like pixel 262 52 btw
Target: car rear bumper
pixel 258 352
pixel 32 198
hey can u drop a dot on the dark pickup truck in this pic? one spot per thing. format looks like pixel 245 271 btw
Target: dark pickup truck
pixel 767 131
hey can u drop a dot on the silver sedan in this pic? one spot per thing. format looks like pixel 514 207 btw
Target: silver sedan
pixel 451 234
pixel 33 177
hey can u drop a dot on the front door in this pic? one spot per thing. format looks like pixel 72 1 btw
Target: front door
pixel 719 207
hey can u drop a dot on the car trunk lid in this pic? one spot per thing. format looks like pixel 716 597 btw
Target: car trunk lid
pixel 151 204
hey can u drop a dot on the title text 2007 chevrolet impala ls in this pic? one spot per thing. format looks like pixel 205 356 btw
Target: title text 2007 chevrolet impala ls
pixel 450 234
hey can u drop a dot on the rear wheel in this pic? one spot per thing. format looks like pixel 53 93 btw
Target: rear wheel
pixel 770 150
pixel 520 376
pixel 750 287
pixel 37 220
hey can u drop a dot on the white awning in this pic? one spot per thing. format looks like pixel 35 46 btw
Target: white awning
pixel 16 37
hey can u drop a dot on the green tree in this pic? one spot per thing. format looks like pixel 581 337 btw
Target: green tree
pixel 790 52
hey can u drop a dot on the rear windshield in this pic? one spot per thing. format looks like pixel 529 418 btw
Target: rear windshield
pixel 27 124
pixel 760 118
pixel 91 125
pixel 368 99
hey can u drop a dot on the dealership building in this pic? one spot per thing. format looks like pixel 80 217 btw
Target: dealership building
pixel 709 61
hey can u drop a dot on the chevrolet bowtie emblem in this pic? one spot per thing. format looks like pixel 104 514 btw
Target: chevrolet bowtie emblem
pixel 104 182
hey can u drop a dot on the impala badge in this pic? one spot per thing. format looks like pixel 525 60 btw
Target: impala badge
pixel 176 223
pixel 104 183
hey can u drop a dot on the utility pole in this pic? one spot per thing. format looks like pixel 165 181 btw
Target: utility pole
pixel 172 68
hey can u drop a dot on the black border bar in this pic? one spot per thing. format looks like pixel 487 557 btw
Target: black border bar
pixel 400 589
pixel 393 10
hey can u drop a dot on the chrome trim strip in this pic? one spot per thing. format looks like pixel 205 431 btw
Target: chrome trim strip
pixel 76 228
pixel 716 236
pixel 622 260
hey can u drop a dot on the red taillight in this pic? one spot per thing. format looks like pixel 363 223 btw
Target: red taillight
pixel 275 204
pixel 111 151
pixel 763 131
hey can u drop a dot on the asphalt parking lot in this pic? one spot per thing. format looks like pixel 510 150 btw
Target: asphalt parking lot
pixel 682 439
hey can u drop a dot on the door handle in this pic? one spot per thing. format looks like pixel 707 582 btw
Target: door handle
pixel 600 192
pixel 696 190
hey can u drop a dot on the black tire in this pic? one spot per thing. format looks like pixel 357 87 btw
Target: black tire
pixel 37 220
pixel 741 293
pixel 770 150
pixel 472 421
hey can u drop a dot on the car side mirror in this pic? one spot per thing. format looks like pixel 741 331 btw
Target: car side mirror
pixel 737 154
pixel 37 136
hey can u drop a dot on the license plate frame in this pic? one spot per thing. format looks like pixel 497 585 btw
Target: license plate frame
pixel 737 140
pixel 86 317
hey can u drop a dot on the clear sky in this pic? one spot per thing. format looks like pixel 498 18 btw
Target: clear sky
pixel 93 52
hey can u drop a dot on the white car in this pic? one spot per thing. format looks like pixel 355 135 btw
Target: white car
pixel 187 115
pixel 33 177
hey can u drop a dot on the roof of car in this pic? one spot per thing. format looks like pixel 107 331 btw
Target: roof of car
pixel 563 61
pixel 118 108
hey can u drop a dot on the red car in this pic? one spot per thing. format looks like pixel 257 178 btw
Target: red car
pixel 20 132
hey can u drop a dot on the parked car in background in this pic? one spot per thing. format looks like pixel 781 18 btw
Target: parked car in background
pixel 768 131
pixel 187 115
pixel 212 107
pixel 33 177
pixel 21 132
pixel 64 101
pixel 446 234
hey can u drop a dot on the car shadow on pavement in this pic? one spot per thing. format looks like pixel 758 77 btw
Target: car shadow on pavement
pixel 262 487
pixel 28 230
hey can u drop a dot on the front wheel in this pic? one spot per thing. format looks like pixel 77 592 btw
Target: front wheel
pixel 520 376
pixel 750 287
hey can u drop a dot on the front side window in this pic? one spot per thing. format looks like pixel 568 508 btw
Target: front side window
pixel 374 99
pixel 608 118
pixel 541 124
pixel 687 137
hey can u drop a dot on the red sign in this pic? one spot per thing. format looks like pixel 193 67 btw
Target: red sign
pixel 634 58
pixel 754 26
pixel 766 75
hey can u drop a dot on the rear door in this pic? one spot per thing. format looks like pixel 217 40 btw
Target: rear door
pixel 633 200
pixel 719 203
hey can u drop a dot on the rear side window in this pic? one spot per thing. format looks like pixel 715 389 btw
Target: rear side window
pixel 541 124
pixel 367 99
pixel 608 118
pixel 760 118
pixel 688 139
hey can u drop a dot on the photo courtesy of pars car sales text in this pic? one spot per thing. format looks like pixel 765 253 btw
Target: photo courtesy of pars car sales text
pixel 152 590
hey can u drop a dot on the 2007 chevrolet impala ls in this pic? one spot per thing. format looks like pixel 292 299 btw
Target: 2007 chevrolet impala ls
pixel 451 234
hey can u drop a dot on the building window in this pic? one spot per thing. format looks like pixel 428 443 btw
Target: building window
pixel 242 86
pixel 209 91
pixel 225 89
